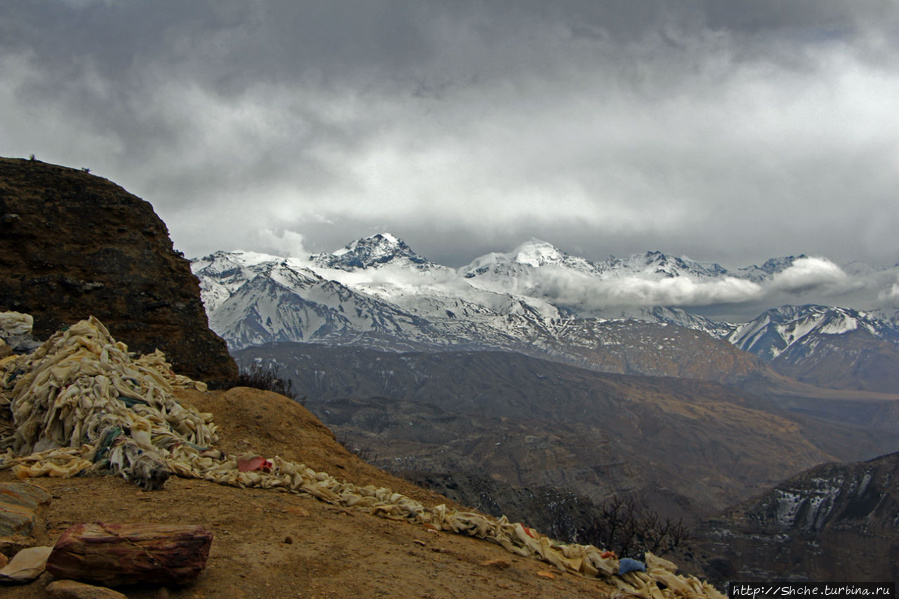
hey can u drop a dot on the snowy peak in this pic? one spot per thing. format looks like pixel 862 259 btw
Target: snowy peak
pixel 771 267
pixel 777 330
pixel 224 264
pixel 654 264
pixel 286 302
pixel 223 273
pixel 533 254
pixel 289 276
pixel 371 252
pixel 538 298
pixel 538 253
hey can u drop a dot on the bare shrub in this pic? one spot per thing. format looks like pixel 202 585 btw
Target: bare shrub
pixel 623 527
pixel 266 378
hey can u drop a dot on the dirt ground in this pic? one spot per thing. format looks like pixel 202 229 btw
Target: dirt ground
pixel 269 544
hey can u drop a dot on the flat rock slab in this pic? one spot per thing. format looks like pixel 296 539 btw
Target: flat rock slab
pixel 72 589
pixel 27 565
pixel 19 503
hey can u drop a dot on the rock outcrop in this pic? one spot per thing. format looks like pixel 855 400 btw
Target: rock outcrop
pixel 835 522
pixel 73 244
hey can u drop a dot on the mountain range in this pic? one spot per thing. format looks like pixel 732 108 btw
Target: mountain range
pixel 377 292
pixel 422 368
pixel 500 382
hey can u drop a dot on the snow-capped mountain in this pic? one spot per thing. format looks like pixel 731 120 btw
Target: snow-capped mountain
pixel 826 346
pixel 536 299
pixel 283 302
pixel 536 269
pixel 657 264
pixel 372 252
pixel 531 255
pixel 771 267
pixel 890 315
pixel 221 274
pixel 393 303
pixel 779 329
pixel 536 254
pixel 254 298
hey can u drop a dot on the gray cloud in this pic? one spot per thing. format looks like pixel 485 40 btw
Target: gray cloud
pixel 808 280
pixel 727 131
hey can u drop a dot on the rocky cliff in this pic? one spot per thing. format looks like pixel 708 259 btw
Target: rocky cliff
pixel 73 244
pixel 835 522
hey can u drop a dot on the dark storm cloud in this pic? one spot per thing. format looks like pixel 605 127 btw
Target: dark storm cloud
pixel 729 131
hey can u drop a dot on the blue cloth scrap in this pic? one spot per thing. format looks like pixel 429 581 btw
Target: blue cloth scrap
pixel 630 565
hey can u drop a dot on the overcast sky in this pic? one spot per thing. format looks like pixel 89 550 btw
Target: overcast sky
pixel 732 131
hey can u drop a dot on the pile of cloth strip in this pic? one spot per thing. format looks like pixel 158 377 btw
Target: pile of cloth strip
pixel 82 404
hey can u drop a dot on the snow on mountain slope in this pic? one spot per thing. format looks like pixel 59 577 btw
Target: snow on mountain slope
pixel 372 252
pixel 825 346
pixel 778 329
pixel 253 299
pixel 770 268
pixel 579 287
pixel 656 264
pixel 533 254
pixel 535 273
pixel 287 303
pixel 223 273
pixel 678 317
pixel 399 306
pixel 384 266
pixel 536 299
pixel 536 254
pixel 890 315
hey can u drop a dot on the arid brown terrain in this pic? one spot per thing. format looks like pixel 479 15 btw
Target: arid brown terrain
pixel 273 545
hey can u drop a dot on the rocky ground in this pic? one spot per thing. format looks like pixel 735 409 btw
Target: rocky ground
pixel 270 545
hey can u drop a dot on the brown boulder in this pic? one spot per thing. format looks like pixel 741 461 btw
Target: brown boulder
pixel 118 554
pixel 74 245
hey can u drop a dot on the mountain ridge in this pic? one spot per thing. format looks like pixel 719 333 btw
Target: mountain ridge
pixel 537 299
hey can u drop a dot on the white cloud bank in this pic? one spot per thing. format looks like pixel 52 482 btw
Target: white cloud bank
pixel 810 274
pixel 814 280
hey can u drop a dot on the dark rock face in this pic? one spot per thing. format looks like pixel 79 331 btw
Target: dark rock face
pixel 835 522
pixel 74 245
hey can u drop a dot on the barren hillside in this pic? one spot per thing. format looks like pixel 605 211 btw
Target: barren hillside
pixel 270 544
